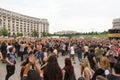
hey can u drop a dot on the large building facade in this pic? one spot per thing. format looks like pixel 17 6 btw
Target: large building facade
pixel 116 23
pixel 17 23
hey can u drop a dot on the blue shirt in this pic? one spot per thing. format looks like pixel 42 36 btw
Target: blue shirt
pixel 12 58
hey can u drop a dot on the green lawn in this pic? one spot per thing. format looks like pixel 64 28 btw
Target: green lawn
pixel 92 36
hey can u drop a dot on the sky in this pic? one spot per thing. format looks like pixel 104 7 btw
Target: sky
pixel 75 15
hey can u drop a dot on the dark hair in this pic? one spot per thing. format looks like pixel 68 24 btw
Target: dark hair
pixel 9 43
pixel 22 42
pixel 3 44
pixel 33 75
pixel 22 69
pixel 11 49
pixel 92 50
pixel 68 62
pixel 68 67
pixel 117 68
pixel 44 49
pixel 52 71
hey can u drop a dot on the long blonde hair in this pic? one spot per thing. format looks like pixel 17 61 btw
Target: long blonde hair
pixel 104 63
pixel 87 64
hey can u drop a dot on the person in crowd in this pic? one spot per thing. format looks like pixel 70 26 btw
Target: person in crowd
pixel 104 69
pixel 116 75
pixel 25 49
pixel 8 47
pixel 50 46
pixel 86 70
pixel 72 53
pixel 3 50
pixel 63 49
pixel 40 53
pixel 25 63
pixel 111 54
pixel 11 61
pixel 16 45
pixel 92 59
pixel 86 50
pixel 99 53
pixel 32 74
pixel 29 51
pixel 55 51
pixel 21 50
pixel 68 70
pixel 23 67
pixel 52 70
pixel 117 50
pixel 79 53
pixel 45 54
pixel 1 57
pixel 118 59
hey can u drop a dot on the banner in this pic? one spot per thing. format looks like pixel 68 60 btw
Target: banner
pixel 114 35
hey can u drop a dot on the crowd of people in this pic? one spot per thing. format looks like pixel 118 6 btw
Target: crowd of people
pixel 99 59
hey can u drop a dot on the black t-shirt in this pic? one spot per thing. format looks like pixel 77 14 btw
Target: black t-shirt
pixel 90 58
pixel 79 52
pixel 3 48
pixel 113 77
pixel 98 72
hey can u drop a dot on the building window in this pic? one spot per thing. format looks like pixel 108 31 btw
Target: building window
pixel 8 20
pixel 17 25
pixel 8 17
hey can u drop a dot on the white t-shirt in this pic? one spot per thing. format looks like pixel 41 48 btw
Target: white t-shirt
pixel 72 50
pixel 8 47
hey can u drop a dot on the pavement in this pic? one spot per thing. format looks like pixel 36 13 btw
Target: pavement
pixel 16 76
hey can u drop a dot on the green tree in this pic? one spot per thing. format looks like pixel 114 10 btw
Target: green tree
pixel 35 34
pixel 4 31
pixel 49 34
pixel 44 34
pixel 19 34
pixel 0 33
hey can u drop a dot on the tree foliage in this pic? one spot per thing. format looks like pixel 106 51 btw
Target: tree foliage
pixel 19 34
pixel 35 34
pixel 4 31
pixel 0 33
pixel 44 34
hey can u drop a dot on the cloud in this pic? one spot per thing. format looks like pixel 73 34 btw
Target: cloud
pixel 77 15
